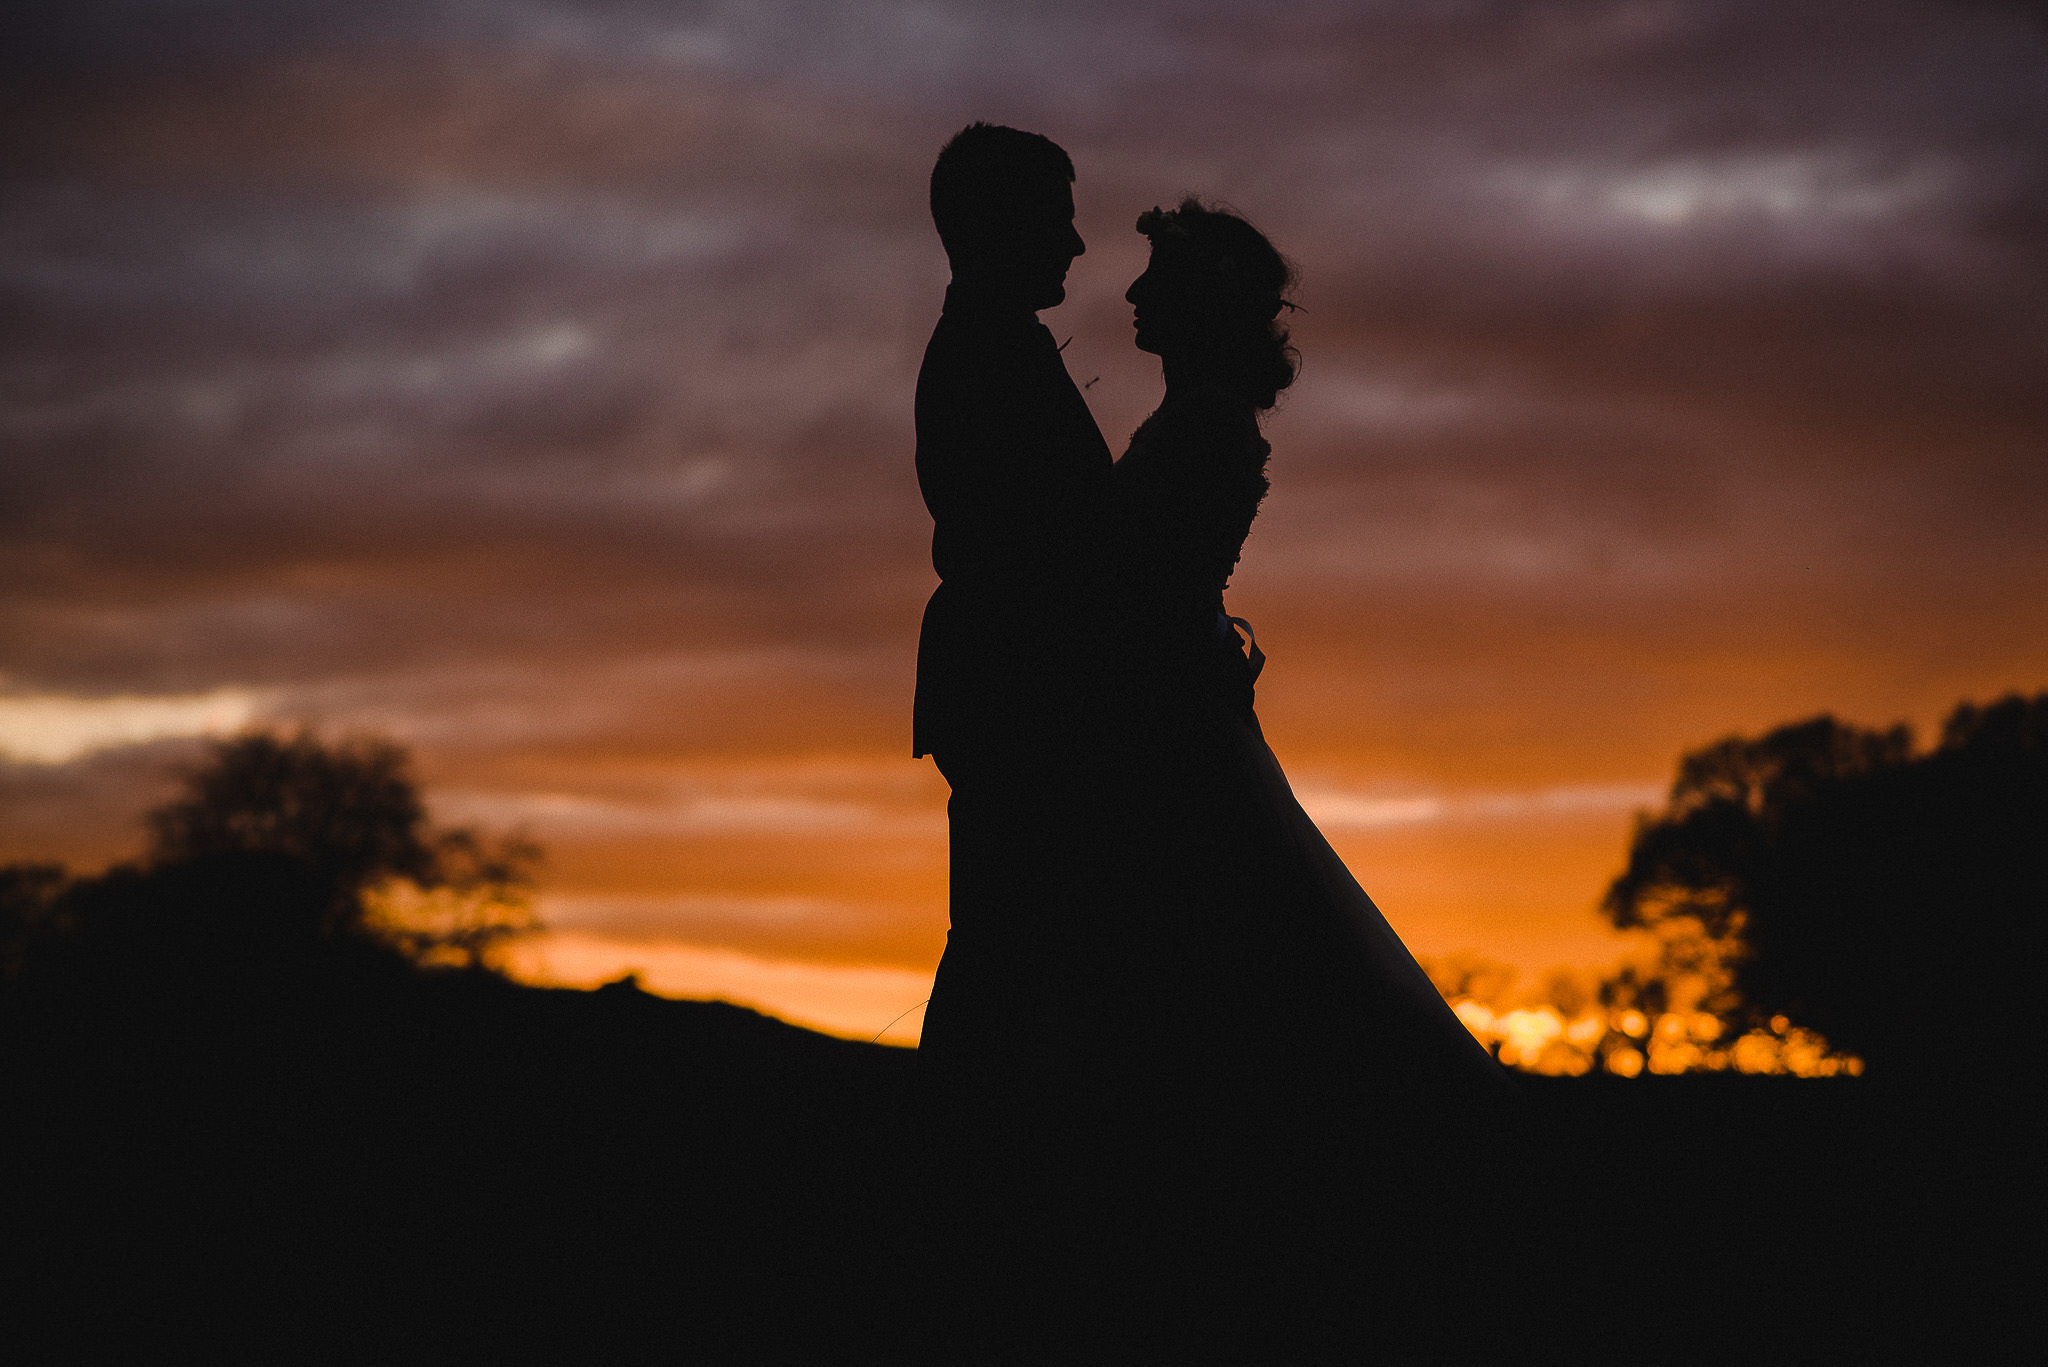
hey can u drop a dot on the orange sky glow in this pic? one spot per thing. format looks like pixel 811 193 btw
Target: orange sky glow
pixel 533 387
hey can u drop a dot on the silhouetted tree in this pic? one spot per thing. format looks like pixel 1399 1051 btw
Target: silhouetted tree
pixel 30 896
pixel 349 815
pixel 1892 901
pixel 281 851
pixel 470 902
pixel 348 812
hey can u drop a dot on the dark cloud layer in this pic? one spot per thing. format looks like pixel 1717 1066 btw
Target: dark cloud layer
pixel 533 379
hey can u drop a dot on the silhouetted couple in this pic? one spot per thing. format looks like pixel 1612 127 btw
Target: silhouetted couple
pixel 1167 1019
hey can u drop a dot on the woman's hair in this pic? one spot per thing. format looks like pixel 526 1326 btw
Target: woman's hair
pixel 1245 282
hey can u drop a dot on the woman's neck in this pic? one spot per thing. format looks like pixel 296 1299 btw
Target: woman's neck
pixel 1192 378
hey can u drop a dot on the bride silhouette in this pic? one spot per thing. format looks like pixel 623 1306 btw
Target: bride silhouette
pixel 1252 963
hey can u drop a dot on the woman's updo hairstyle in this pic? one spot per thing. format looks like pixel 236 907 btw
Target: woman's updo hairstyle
pixel 1246 283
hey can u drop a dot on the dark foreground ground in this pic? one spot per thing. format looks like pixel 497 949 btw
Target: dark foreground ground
pixel 458 1169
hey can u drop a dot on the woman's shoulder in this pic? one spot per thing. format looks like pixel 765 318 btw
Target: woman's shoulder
pixel 1192 430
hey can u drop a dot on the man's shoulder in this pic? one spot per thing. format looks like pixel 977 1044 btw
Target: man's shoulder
pixel 971 362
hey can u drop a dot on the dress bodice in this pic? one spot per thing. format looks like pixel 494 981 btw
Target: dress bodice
pixel 1187 490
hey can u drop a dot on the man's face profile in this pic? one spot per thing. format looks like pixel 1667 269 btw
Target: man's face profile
pixel 1028 242
pixel 1003 203
pixel 1047 244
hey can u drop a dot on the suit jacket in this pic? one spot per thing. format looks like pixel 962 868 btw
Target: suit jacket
pixel 1017 478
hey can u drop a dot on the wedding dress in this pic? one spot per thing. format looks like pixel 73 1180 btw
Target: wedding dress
pixel 1248 968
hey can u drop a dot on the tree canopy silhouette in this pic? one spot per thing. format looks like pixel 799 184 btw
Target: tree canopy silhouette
pixel 349 812
pixel 1890 899
pixel 281 851
pixel 350 815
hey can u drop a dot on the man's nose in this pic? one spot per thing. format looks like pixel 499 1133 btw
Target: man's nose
pixel 1080 247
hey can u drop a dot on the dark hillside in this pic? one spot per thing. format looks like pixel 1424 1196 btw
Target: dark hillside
pixel 433 1167
pixel 442 1166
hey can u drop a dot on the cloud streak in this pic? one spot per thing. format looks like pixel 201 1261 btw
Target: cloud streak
pixel 1334 809
pixel 42 729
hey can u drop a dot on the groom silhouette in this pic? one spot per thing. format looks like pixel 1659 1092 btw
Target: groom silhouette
pixel 1016 476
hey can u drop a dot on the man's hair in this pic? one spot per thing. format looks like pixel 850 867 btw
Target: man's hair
pixel 985 179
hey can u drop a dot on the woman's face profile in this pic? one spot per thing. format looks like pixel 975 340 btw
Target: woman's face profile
pixel 1163 303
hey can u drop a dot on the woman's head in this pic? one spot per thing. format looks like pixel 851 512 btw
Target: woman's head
pixel 1211 296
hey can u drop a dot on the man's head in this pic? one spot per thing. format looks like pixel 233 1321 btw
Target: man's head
pixel 1003 203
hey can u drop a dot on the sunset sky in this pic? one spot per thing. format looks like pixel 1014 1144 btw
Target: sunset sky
pixel 530 383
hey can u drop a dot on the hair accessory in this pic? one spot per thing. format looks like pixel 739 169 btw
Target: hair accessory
pixel 1158 222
